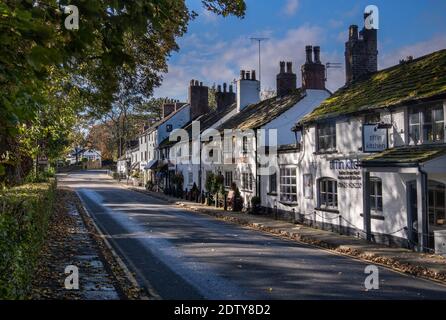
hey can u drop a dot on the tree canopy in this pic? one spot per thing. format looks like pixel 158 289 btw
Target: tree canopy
pixel 49 75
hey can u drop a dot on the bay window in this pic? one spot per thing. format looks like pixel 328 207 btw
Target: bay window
pixel 288 185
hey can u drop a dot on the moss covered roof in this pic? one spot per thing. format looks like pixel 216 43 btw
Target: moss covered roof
pixel 405 156
pixel 256 115
pixel 421 78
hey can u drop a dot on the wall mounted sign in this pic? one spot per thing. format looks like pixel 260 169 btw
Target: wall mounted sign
pixel 349 173
pixel 374 139
pixel 347 164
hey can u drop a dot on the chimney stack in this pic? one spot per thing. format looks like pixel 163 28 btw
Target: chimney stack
pixel 286 81
pixel 361 53
pixel 313 73
pixel 248 89
pixel 198 99
pixel 168 108
pixel 224 98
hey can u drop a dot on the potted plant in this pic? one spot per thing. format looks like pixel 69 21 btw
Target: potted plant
pixel 255 205
pixel 218 187
pixel 236 201
pixel 135 178
pixel 195 192
pixel 209 185
pixel 178 181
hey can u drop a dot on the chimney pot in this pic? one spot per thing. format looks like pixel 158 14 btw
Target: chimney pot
pixel 353 32
pixel 231 88
pixel 253 75
pixel 282 66
pixel 248 75
pixel 242 74
pixel 309 52
pixel 289 67
pixel 224 87
pixel 317 54
pixel 219 88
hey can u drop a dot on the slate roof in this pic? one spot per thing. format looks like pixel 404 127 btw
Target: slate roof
pixel 405 156
pixel 419 79
pixel 256 115
pixel 160 122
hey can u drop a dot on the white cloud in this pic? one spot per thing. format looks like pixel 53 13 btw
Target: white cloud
pixel 217 62
pixel 415 50
pixel 291 7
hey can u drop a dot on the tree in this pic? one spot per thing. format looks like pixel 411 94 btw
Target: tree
pixel 116 41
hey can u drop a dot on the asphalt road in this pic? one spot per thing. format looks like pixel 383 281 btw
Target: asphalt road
pixel 183 255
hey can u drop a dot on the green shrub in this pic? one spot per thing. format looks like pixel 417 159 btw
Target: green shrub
pixel 24 216
pixel 41 176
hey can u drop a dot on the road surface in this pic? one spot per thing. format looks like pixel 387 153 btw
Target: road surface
pixel 178 254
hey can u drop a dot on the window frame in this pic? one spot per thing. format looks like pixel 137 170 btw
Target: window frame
pixel 437 126
pixel 326 131
pixel 325 204
pixel 433 210
pixel 376 195
pixel 229 174
pixel 245 146
pixel 272 187
pixel 247 181
pixel 288 174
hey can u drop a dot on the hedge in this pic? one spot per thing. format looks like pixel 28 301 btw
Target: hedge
pixel 24 216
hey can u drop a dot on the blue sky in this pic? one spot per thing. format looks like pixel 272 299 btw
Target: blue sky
pixel 216 48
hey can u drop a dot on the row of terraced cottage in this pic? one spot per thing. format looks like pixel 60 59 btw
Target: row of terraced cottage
pixel 368 160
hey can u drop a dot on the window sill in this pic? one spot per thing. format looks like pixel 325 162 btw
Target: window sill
pixel 289 204
pixel 325 152
pixel 327 210
pixel 375 217
pixel 246 190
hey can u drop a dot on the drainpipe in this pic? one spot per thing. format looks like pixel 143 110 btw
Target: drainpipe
pixel 255 165
pixel 422 225
pixel 366 204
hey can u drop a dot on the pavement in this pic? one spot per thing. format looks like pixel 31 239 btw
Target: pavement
pixel 180 253
pixel 69 243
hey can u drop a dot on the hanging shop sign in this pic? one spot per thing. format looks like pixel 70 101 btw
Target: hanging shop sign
pixel 374 138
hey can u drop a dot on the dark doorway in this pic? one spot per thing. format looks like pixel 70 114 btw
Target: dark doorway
pixel 412 213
